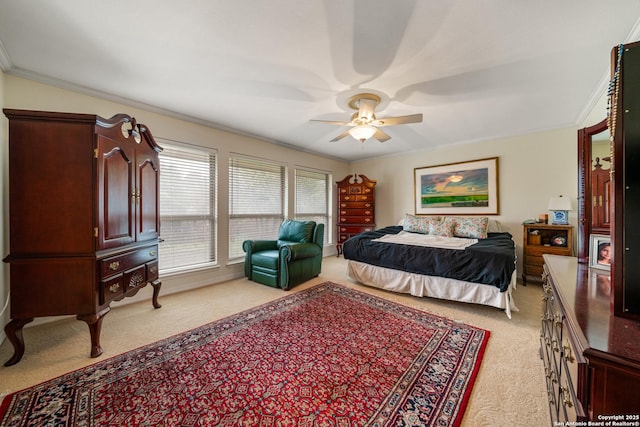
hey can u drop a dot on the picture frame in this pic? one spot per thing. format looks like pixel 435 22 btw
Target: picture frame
pixel 464 188
pixel 597 258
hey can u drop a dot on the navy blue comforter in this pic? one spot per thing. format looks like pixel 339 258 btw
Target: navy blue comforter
pixel 491 261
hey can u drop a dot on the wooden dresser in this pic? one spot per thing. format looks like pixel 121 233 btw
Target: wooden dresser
pixel 591 357
pixel 540 239
pixel 84 217
pixel 356 207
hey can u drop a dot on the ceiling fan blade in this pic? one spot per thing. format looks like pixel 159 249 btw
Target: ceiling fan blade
pixel 399 120
pixel 333 122
pixel 339 137
pixel 381 136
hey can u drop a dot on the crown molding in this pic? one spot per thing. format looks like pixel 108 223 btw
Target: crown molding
pixel 601 88
pixel 5 61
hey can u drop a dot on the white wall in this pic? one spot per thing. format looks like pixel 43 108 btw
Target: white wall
pixel 531 169
pixel 22 93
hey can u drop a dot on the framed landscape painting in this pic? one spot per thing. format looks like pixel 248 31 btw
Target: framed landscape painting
pixel 457 188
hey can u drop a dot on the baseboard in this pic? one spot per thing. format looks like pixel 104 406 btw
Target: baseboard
pixel 176 284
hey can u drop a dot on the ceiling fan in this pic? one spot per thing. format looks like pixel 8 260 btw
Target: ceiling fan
pixel 364 123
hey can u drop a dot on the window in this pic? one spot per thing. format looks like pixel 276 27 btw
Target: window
pixel 188 207
pixel 312 198
pixel 257 201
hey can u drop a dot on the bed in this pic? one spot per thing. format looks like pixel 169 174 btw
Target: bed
pixel 438 260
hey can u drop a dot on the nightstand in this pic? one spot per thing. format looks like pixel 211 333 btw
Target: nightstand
pixel 540 239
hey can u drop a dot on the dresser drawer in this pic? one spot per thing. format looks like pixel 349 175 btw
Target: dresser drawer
pixel 356 205
pixel 571 408
pixel 111 289
pixel 355 220
pixel 356 198
pixel 534 260
pixel 533 270
pixel 356 212
pixel 128 260
pixel 552 250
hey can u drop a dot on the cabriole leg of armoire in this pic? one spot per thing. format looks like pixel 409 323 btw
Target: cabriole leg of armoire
pixel 13 329
pixel 94 321
pixel 156 291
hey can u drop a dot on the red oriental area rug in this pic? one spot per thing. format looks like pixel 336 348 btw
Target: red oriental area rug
pixel 325 356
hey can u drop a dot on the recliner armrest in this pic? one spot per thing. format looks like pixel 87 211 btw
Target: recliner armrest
pixel 295 251
pixel 252 246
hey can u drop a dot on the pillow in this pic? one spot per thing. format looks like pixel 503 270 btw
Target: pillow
pixel 471 227
pixel 417 224
pixel 440 228
pixel 494 226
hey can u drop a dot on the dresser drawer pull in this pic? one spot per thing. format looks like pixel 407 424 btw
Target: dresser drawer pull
pixel 557 319
pixel 566 397
pixel 152 253
pixel 114 265
pixel 568 356
pixel 114 288
pixel 152 270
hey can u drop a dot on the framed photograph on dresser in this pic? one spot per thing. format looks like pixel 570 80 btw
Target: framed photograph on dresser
pixel 600 251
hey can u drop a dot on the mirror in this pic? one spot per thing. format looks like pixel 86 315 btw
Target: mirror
pixel 594 185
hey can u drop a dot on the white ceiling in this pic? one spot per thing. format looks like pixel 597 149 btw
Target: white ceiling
pixel 476 70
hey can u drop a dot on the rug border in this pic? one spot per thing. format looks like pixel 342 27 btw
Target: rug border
pixel 472 380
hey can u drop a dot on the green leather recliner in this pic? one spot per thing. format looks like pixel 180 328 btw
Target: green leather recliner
pixel 292 259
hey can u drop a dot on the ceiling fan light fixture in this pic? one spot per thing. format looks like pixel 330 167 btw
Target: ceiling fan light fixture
pixel 362 132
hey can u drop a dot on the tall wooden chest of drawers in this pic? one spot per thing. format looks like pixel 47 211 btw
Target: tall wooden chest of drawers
pixel 356 207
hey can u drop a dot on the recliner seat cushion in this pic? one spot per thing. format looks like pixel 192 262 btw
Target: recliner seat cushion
pixel 266 259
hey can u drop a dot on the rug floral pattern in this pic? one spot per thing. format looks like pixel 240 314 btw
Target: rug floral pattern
pixel 326 356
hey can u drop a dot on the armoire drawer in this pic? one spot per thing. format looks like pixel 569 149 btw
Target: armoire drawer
pixel 111 289
pixel 135 278
pixel 152 271
pixel 128 260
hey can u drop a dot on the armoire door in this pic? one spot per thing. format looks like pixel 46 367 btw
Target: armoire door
pixel 116 193
pixel 147 197
pixel 601 193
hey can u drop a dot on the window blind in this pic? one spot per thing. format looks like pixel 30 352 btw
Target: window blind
pixel 188 207
pixel 312 194
pixel 257 201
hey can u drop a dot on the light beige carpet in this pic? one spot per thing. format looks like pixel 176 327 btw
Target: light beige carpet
pixel 509 389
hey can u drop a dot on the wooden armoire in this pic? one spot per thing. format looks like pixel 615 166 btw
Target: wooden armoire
pixel 356 207
pixel 84 217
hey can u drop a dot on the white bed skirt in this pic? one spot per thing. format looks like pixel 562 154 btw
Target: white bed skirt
pixel 436 287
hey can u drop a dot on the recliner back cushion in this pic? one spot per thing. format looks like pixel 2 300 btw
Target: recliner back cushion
pixel 296 231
